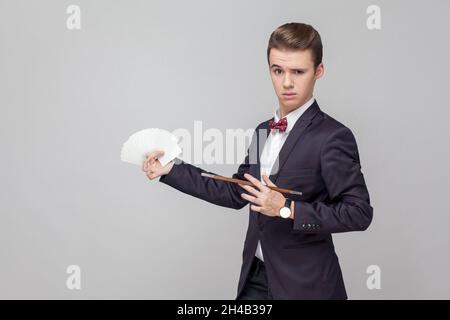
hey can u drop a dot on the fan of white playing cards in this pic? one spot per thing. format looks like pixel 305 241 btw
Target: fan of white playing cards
pixel 139 144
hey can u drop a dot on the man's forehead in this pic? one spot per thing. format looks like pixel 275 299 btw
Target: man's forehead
pixel 290 58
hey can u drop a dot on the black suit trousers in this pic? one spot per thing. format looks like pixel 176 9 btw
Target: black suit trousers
pixel 256 286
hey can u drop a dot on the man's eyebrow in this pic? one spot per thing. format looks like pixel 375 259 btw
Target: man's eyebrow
pixel 277 66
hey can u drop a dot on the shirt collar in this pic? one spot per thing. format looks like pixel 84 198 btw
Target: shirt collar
pixel 293 116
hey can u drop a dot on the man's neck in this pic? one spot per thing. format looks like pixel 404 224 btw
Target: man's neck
pixel 285 110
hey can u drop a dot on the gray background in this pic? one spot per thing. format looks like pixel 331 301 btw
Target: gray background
pixel 69 99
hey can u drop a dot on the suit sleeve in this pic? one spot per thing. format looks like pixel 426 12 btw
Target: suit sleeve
pixel 187 178
pixel 348 205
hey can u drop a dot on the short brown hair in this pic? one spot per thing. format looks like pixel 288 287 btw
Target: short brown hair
pixel 294 35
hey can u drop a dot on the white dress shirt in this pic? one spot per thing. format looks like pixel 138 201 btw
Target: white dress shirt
pixel 273 145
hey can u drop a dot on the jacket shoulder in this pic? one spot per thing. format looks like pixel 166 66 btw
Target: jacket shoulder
pixel 328 125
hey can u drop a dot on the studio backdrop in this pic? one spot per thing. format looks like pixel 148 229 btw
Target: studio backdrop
pixel 77 78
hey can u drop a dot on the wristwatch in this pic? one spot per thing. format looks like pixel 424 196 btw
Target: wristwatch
pixel 285 211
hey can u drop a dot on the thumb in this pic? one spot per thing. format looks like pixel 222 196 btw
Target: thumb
pixel 159 153
pixel 267 181
pixel 154 154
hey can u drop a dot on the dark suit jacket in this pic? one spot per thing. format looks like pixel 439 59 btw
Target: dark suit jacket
pixel 319 158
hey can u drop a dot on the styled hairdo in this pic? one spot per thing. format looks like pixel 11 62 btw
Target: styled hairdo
pixel 294 35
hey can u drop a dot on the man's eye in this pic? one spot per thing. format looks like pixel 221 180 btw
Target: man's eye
pixel 299 72
pixel 276 71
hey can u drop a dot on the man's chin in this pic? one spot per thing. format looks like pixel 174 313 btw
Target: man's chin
pixel 289 104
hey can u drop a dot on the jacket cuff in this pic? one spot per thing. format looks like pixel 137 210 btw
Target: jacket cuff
pixel 172 177
pixel 303 218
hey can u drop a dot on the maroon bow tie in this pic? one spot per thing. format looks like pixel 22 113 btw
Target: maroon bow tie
pixel 281 125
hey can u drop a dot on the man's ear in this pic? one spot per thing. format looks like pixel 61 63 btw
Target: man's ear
pixel 319 71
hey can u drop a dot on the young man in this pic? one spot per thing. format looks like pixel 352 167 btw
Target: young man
pixel 288 250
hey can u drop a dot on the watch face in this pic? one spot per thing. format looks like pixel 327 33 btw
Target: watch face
pixel 285 212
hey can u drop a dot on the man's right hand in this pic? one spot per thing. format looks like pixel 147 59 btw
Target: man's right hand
pixel 153 168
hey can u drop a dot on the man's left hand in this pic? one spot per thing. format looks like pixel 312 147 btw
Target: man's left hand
pixel 265 200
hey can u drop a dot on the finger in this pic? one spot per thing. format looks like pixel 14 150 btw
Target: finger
pixel 252 190
pixel 150 175
pixel 150 163
pixel 256 182
pixel 268 181
pixel 146 161
pixel 158 153
pixel 146 164
pixel 149 170
pixel 255 208
pixel 250 198
pixel 155 154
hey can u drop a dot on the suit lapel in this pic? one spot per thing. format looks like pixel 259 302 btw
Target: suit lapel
pixel 300 126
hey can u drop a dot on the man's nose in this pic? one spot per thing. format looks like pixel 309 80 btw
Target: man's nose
pixel 287 82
